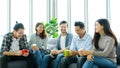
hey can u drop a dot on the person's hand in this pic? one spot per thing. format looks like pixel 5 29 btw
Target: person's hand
pixel 90 57
pixel 52 55
pixel 35 48
pixel 73 53
pixel 26 54
pixel 84 52
pixel 18 53
pixel 54 52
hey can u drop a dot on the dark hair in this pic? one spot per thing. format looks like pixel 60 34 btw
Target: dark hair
pixel 80 24
pixel 63 22
pixel 18 26
pixel 43 34
pixel 107 30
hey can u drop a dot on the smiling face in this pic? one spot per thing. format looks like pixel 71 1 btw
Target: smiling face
pixel 63 28
pixel 79 31
pixel 98 27
pixel 19 33
pixel 40 28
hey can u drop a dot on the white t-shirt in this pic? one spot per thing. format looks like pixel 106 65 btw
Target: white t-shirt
pixel 62 41
pixel 15 45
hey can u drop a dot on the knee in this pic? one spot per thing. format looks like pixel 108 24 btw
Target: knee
pixel 63 60
pixel 47 57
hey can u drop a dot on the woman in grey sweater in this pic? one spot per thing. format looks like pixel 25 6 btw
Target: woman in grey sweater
pixel 38 43
pixel 104 52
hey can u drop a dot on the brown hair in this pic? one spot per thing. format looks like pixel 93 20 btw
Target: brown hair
pixel 107 31
pixel 43 34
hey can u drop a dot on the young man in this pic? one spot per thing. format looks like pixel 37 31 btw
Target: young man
pixel 12 46
pixel 82 41
pixel 63 42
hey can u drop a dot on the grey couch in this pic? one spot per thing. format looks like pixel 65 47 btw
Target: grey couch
pixel 52 43
pixel 14 64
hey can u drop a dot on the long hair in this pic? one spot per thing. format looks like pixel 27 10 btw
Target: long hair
pixel 107 30
pixel 43 34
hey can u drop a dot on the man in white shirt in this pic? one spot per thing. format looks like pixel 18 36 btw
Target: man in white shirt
pixel 63 42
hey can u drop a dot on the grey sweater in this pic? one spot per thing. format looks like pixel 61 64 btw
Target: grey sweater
pixel 41 43
pixel 107 48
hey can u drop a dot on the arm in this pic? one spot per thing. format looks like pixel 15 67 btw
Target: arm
pixel 18 53
pixel 87 45
pixel 69 40
pixel 25 43
pixel 109 46
pixel 73 45
pixel 4 44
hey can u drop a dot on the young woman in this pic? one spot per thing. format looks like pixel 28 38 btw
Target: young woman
pixel 105 42
pixel 38 43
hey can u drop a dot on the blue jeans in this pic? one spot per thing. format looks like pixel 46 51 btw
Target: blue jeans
pixel 99 62
pixel 48 58
pixel 38 57
pixel 57 60
pixel 66 61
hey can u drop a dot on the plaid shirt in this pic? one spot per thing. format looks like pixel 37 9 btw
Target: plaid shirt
pixel 7 42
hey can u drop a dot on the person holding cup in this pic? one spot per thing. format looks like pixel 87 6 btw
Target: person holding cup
pixel 82 41
pixel 105 42
pixel 38 43
pixel 14 47
pixel 63 43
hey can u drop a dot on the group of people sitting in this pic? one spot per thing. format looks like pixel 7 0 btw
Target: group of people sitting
pixel 97 52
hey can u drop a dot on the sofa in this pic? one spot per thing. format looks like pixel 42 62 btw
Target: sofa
pixel 14 64
pixel 52 43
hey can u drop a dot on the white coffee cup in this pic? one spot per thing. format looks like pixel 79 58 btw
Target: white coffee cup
pixel 34 45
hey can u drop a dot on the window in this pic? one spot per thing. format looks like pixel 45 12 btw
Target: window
pixel 62 10
pixel 39 12
pixel 3 19
pixel 96 10
pixel 77 13
pixel 115 13
pixel 20 13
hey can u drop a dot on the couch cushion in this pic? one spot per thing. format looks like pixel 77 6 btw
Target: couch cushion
pixel 118 54
pixel 73 65
pixel 17 64
pixel 51 43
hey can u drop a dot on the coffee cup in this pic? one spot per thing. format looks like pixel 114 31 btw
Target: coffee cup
pixel 34 45
pixel 24 51
pixel 66 53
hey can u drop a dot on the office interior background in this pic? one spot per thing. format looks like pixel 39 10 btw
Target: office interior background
pixel 29 12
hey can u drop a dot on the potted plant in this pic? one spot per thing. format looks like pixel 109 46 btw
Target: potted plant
pixel 52 28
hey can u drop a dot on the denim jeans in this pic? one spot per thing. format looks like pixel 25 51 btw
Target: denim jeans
pixel 66 61
pixel 57 60
pixel 99 62
pixel 48 58
pixel 38 57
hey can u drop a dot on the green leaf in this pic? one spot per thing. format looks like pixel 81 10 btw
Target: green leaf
pixel 55 35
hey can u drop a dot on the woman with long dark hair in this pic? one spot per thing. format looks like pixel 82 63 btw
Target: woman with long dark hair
pixel 38 43
pixel 104 51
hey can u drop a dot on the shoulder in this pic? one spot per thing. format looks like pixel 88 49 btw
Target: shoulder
pixel 8 35
pixel 33 35
pixel 24 36
pixel 75 37
pixel 109 38
pixel 69 35
pixel 88 36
